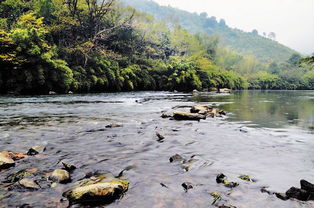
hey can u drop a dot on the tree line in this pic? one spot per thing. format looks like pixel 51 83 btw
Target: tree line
pixel 92 46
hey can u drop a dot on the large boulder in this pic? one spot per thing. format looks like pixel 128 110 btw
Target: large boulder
pixel 6 161
pixel 97 189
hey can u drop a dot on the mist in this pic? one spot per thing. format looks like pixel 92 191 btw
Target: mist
pixel 290 20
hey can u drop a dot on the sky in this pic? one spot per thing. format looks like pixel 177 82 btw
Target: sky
pixel 291 20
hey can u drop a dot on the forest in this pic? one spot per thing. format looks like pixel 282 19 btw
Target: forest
pixel 90 46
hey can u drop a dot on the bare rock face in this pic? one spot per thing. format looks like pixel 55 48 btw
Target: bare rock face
pixel 97 189
pixel 6 161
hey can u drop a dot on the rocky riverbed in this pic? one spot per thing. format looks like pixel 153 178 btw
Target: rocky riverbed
pixel 64 150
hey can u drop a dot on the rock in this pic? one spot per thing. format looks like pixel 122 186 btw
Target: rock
pixel 17 155
pixel 160 137
pixel 187 186
pixel 52 93
pixel 224 90
pixel 201 109
pixel 165 115
pixel 282 196
pixel 6 161
pixel 35 150
pixel 230 184
pixel 61 176
pixel 305 185
pixel 299 194
pixel 68 167
pixel 217 197
pixel 226 206
pixel 114 125
pixel 176 158
pixel 188 116
pixel 222 112
pixel 221 178
pixel 187 164
pixel 164 185
pixel 28 183
pixel 70 92
pixel 245 178
pixel 195 91
pixel 98 189
pixel 213 89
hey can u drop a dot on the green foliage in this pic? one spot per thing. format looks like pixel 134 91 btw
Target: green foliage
pixel 248 43
pixel 47 45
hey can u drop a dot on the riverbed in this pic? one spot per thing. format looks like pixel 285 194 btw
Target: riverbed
pixel 268 135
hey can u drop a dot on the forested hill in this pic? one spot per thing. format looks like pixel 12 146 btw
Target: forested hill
pixel 265 49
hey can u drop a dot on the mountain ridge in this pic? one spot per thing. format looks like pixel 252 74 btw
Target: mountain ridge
pixel 246 43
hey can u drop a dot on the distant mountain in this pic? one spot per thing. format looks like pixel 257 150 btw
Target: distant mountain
pixel 247 43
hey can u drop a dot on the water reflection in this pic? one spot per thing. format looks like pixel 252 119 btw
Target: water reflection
pixel 271 109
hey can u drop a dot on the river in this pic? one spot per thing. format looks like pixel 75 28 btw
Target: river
pixel 268 135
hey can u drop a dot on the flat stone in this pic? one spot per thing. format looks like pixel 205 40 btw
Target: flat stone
pixel 29 184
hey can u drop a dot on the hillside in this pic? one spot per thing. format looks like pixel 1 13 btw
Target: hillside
pixel 246 43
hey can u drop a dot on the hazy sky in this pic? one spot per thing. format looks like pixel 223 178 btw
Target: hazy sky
pixel 291 20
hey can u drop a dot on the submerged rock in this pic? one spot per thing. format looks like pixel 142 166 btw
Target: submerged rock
pixel 35 150
pixel 176 158
pixel 160 137
pixel 61 176
pixel 246 178
pixel 188 116
pixel 20 175
pixel 6 161
pixel 216 196
pixel 114 125
pixel 29 184
pixel 98 189
pixel 17 155
pixel 226 206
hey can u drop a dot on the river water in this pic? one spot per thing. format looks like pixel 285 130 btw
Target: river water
pixel 266 135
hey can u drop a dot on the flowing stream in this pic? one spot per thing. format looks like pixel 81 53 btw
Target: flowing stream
pixel 266 135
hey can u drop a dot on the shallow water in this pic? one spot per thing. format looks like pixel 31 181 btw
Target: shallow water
pixel 267 135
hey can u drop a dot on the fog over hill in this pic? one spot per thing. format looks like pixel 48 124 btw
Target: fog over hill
pixel 291 20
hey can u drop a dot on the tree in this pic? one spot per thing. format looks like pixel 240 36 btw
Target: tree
pixel 254 32
pixel 272 36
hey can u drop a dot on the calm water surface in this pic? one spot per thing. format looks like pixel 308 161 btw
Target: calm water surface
pixel 267 135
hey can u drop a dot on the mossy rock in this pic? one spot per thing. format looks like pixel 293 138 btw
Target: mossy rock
pixel 97 189
pixel 61 176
